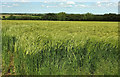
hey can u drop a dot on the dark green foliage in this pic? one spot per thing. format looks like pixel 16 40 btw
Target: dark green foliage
pixel 62 16
pixel 49 16
pixel 11 17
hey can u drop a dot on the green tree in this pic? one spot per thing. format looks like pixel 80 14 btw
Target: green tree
pixel 61 16
pixel 49 16
pixel 88 16
pixel 11 17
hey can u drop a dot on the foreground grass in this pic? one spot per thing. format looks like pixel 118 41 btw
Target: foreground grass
pixel 60 48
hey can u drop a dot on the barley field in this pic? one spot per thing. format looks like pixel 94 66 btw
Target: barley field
pixel 59 47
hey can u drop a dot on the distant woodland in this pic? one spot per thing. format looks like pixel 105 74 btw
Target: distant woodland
pixel 62 16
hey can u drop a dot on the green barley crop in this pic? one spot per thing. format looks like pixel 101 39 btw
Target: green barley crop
pixel 59 47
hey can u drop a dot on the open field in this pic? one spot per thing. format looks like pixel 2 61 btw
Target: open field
pixel 7 16
pixel 59 47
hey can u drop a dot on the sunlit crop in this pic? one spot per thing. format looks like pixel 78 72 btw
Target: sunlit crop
pixel 59 47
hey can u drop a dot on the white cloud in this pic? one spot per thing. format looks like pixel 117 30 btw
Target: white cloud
pixel 15 5
pixel 42 5
pixel 50 6
pixel 24 0
pixel 61 3
pixel 106 4
pixel 70 2
pixel 20 0
pixel 45 1
pixel 69 6
pixel 66 6
pixel 9 6
pixel 62 0
pixel 105 0
pixel 3 5
pixel 82 6
pixel 99 4
pixel 112 4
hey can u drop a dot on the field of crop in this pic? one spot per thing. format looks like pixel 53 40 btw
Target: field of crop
pixel 59 48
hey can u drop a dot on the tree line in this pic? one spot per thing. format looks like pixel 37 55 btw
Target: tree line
pixel 62 16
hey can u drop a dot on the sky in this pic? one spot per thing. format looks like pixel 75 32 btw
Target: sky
pixel 56 6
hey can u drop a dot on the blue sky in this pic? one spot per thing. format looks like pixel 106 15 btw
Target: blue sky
pixel 55 6
pixel 59 0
